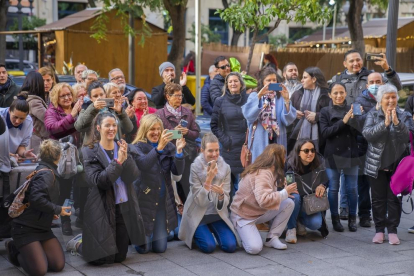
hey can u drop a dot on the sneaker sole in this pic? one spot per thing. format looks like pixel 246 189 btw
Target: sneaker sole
pixel 291 242
pixel 411 231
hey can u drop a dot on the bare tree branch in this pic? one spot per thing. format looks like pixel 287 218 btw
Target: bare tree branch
pixel 270 30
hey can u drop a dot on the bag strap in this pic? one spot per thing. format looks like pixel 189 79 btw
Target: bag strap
pixel 35 172
pixel 412 203
pixel 411 143
pixel 253 131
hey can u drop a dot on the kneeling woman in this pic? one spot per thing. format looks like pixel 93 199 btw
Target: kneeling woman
pixel 112 217
pixel 258 200
pixel 205 211
pixel 34 246
pixel 309 169
pixel 157 158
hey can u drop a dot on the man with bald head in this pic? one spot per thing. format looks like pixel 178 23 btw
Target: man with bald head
pixel 77 72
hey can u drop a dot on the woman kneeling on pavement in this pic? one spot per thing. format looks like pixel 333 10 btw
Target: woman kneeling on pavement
pixel 310 177
pixel 387 131
pixel 112 217
pixel 34 246
pixel 157 158
pixel 258 200
pixel 205 213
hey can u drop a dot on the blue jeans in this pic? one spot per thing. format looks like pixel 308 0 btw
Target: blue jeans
pixel 313 222
pixel 157 242
pixel 204 239
pixel 174 234
pixel 344 199
pixel 351 186
pixel 235 179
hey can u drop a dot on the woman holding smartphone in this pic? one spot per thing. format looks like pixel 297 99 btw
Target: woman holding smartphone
pixel 112 216
pixel 157 158
pixel 205 215
pixel 34 246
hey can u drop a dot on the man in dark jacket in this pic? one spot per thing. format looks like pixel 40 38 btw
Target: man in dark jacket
pixel 8 89
pixel 167 72
pixel 206 102
pixel 355 75
pixel 216 85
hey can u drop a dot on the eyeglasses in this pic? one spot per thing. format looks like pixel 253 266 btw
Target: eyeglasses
pixel 224 66
pixel 306 151
pixel 176 95
pixel 65 96
pixel 118 78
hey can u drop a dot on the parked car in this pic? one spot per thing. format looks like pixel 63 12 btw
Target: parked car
pixel 13 65
pixel 71 80
pixel 407 81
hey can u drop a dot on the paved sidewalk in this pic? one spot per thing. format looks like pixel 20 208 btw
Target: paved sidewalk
pixel 342 254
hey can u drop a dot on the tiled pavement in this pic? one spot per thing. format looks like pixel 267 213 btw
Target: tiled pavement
pixel 342 254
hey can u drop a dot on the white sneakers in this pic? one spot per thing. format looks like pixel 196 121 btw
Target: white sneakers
pixel 276 243
pixel 301 229
pixel 291 236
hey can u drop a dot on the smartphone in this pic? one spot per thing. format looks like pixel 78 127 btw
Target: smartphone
pixel 27 160
pixel 290 177
pixel 68 203
pixel 370 57
pixel 183 123
pixel 176 134
pixel 109 102
pixel 275 87
pixel 356 109
pixel 212 163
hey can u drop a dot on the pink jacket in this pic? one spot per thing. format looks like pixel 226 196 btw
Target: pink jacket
pixel 59 124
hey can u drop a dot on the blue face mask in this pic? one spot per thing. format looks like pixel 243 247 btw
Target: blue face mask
pixel 373 89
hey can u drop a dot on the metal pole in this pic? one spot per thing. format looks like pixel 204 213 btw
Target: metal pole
pixel 20 24
pixel 324 31
pixel 198 55
pixel 334 22
pixel 131 53
pixel 392 27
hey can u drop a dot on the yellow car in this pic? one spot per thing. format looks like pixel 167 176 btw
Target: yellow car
pixel 16 73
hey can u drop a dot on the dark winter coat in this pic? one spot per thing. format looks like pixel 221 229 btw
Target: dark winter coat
pixel 7 92
pixel 155 168
pixel 170 121
pixel 229 125
pixel 216 88
pixel 356 83
pixel 341 149
pixel 206 102
pixel 99 232
pixel 375 132
pixel 158 96
pixel 409 105
pixel 43 195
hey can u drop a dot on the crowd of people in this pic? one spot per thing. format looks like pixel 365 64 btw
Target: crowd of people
pixel 140 184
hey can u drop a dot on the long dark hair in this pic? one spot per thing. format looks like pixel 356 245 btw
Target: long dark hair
pixel 34 84
pixel 20 103
pixel 272 156
pixel 316 73
pixel 294 157
pixel 95 136
pixel 262 75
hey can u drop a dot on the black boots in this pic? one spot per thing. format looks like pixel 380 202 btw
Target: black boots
pixel 324 228
pixel 336 223
pixel 352 224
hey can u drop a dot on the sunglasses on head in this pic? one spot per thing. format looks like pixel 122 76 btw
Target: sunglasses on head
pixel 224 66
pixel 306 151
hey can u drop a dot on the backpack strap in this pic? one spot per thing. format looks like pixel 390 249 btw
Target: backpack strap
pixel 412 205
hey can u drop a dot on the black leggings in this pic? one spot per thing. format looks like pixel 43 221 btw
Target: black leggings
pixel 37 258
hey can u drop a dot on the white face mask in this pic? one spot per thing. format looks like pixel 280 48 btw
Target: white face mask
pixel 373 89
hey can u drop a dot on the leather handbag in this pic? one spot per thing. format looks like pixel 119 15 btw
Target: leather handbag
pixel 246 153
pixel 312 204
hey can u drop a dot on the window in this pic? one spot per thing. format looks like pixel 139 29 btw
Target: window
pixel 259 33
pixel 218 26
pixel 68 8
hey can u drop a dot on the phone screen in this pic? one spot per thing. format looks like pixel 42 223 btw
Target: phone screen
pixel 183 123
pixel 68 203
pixel 275 87
pixel 371 57
pixel 356 109
pixel 290 178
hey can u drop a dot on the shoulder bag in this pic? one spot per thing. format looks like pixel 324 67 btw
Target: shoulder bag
pixel 312 204
pixel 246 152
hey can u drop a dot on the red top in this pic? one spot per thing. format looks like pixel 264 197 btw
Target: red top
pixel 139 114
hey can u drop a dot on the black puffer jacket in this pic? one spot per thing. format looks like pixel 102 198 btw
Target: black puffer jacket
pixel 216 88
pixel 229 125
pixel 376 134
pixel 155 168
pixel 158 96
pixel 341 149
pixel 42 194
pixel 99 234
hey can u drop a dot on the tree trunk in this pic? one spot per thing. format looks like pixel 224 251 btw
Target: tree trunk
pixel 177 14
pixel 252 44
pixel 3 21
pixel 355 26
pixel 235 37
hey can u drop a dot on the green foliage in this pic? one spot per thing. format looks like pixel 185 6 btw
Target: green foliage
pixel 28 23
pixel 280 40
pixel 258 14
pixel 207 35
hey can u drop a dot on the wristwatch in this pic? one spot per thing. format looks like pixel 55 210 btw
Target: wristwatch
pixel 389 70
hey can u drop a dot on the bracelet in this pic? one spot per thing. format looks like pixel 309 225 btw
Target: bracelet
pixel 287 102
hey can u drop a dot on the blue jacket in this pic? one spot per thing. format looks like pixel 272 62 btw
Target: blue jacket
pixel 206 102
pixel 216 88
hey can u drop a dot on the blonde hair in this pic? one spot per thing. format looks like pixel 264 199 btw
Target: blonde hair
pixel 54 95
pixel 108 87
pixel 76 88
pixel 50 151
pixel 47 71
pixel 146 123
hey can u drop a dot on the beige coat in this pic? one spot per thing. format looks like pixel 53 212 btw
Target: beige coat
pixel 37 112
pixel 198 199
pixel 257 194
